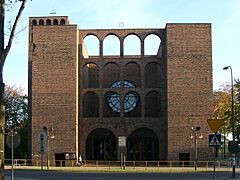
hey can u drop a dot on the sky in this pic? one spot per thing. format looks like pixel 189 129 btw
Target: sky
pixel 96 14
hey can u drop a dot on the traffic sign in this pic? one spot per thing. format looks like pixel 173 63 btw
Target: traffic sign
pixel 214 140
pixel 42 147
pixel 122 141
pixel 233 147
pixel 42 138
pixel 16 140
pixel 215 124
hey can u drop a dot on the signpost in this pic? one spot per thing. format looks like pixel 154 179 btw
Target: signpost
pixel 122 145
pixel 12 141
pixel 233 147
pixel 42 138
pixel 214 140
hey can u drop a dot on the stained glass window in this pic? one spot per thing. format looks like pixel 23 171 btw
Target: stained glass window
pixel 130 100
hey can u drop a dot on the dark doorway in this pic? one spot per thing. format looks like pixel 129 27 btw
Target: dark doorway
pixel 60 159
pixel 142 145
pixel 184 158
pixel 101 145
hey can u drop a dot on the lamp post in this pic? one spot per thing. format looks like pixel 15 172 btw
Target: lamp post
pixel 239 106
pixel 232 122
pixel 196 136
pixel 238 98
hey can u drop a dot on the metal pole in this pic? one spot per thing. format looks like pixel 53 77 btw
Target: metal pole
pixel 12 174
pixel 195 149
pixel 121 159
pixel 41 165
pixel 224 141
pixel 47 150
pixel 124 160
pixel 239 108
pixel 42 151
pixel 232 123
pixel 214 165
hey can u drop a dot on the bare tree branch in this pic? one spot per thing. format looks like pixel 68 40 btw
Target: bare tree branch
pixel 20 30
pixel 8 47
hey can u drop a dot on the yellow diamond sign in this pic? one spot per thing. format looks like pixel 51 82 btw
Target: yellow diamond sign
pixel 215 124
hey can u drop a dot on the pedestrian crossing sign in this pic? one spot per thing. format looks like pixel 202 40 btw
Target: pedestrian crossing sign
pixel 214 140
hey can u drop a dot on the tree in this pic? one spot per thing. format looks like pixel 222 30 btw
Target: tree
pixel 222 104
pixel 4 51
pixel 16 107
pixel 16 115
pixel 222 108
pixel 237 107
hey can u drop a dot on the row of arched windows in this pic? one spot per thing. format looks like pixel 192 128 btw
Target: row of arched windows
pixel 48 22
pixel 131 106
pixel 131 44
pixel 131 72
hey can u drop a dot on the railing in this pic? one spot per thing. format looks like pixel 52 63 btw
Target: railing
pixel 19 162
pixel 107 165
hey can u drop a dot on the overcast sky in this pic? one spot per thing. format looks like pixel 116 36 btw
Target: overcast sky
pixel 224 16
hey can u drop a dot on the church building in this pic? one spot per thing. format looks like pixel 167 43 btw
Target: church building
pixel 103 106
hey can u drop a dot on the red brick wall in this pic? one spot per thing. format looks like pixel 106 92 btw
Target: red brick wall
pixel 53 60
pixel 189 86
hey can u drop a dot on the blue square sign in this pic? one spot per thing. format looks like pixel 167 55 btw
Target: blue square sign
pixel 214 140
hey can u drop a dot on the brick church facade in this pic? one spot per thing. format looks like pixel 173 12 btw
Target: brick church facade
pixel 140 106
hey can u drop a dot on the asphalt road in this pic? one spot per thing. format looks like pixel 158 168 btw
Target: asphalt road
pixel 59 175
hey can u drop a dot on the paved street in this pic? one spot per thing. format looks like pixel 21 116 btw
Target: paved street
pixel 58 175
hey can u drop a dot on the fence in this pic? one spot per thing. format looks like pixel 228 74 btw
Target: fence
pixel 122 164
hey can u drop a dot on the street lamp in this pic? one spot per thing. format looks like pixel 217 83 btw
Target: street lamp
pixel 233 122
pixel 238 98
pixel 196 136
pixel 239 105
